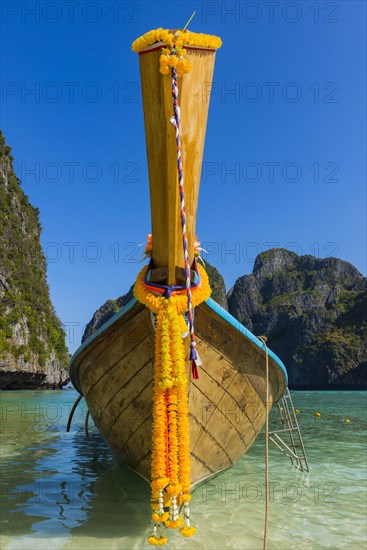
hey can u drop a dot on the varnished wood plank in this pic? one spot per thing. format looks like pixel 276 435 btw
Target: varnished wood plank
pixel 125 421
pixel 221 371
pixel 208 440
pixel 226 412
pixel 137 446
pixel 199 469
pixel 245 355
pixel 102 341
pixel 119 380
pixel 134 333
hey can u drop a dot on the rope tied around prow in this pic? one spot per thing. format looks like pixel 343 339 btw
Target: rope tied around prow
pixel 175 120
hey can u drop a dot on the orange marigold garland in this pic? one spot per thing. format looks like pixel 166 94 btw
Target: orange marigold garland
pixel 174 54
pixel 170 468
pixel 176 38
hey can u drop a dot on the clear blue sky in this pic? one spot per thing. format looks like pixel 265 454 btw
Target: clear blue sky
pixel 284 156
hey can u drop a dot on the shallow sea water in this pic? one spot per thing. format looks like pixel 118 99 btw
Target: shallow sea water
pixel 65 491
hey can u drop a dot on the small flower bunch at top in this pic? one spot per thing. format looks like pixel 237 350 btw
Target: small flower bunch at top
pixel 197 251
pixel 149 246
pixel 173 54
pixel 176 39
pixel 197 247
pixel 174 58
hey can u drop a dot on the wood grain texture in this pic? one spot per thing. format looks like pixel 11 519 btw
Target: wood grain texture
pixel 226 403
pixel 162 154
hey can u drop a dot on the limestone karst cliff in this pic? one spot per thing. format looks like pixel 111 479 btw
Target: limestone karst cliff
pixel 33 352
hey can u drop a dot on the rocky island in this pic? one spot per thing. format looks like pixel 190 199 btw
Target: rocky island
pixel 33 353
pixel 314 313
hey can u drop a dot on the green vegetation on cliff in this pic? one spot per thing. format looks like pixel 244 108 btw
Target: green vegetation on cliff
pixel 314 312
pixel 31 335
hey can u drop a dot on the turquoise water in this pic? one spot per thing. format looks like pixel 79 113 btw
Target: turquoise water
pixel 65 491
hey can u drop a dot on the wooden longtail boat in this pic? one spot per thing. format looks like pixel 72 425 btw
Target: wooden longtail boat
pixel 113 370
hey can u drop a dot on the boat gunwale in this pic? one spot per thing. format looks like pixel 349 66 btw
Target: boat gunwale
pixel 212 304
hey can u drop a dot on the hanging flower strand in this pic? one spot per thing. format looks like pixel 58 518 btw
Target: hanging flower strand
pixel 170 467
pixel 174 58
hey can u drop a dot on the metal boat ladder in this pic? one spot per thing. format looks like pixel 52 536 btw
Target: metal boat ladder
pixel 288 439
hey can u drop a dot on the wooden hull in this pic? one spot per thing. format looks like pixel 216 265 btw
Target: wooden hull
pixel 162 153
pixel 114 372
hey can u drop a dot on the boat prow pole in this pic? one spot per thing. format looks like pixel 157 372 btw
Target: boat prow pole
pixel 162 153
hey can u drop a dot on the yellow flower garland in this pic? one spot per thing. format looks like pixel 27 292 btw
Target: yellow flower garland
pixel 176 38
pixel 170 468
pixel 174 54
pixel 154 302
pixel 174 58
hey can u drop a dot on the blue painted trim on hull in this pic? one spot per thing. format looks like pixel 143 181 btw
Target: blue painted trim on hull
pixel 241 328
pixel 213 306
pixel 101 329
